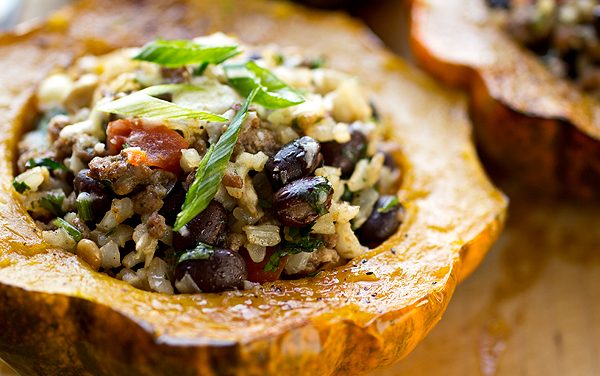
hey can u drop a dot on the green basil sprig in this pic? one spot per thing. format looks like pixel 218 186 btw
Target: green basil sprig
pixel 177 53
pixel 140 104
pixel 212 168
pixel 272 92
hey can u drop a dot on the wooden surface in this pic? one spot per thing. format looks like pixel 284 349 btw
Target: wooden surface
pixel 532 308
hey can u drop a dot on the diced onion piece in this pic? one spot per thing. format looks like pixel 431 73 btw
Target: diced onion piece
pixel 33 177
pixel 59 238
pixel 265 235
pixel 257 252
pixel 186 285
pixel 350 102
pixel 190 159
pixel 53 90
pixel 348 245
pixel 111 258
pixel 158 276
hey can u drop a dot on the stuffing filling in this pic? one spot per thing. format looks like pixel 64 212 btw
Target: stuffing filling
pixel 563 33
pixel 204 166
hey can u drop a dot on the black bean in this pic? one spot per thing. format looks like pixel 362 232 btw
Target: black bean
pixel 208 227
pixel 301 202
pixel 100 194
pixel 172 204
pixel 347 154
pixel 499 4
pixel 382 223
pixel 596 19
pixel 389 161
pixel 222 270
pixel 294 160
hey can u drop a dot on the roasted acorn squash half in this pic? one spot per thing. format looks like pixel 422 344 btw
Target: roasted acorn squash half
pixel 59 317
pixel 531 124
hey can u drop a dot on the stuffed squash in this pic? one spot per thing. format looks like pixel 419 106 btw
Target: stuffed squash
pixel 141 157
pixel 529 72
pixel 61 315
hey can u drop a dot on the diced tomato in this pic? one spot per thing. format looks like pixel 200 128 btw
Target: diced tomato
pixel 161 145
pixel 136 156
pixel 256 271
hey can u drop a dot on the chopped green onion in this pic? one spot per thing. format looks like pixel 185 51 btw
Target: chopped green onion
pixel 273 93
pixel 71 230
pixel 212 168
pixel 177 53
pixel 53 203
pixel 84 206
pixel 140 104
pixel 45 162
pixel 201 252
pixel 199 70
pixel 390 203
pixel 20 186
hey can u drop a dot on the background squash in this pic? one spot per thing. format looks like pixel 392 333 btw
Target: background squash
pixel 534 126
pixel 57 316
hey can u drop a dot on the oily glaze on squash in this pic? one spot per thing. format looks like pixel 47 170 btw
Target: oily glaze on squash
pixel 535 126
pixel 58 317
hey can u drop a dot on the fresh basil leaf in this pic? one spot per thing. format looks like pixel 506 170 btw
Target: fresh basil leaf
pixel 71 230
pixel 45 162
pixel 140 104
pixel 272 92
pixel 177 53
pixel 201 252
pixel 20 186
pixel 389 204
pixel 210 173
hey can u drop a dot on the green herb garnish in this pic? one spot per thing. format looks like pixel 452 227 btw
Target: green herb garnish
pixel 46 162
pixel 211 169
pixel 272 92
pixel 316 63
pixel 71 230
pixel 201 252
pixel 389 204
pixel 53 203
pixel 318 196
pixel 177 53
pixel 348 195
pixel 84 206
pixel 297 241
pixel 141 104
pixel 20 186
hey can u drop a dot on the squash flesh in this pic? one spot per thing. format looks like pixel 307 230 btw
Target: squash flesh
pixel 340 322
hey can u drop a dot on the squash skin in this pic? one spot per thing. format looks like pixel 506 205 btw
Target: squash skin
pixel 59 317
pixel 531 125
